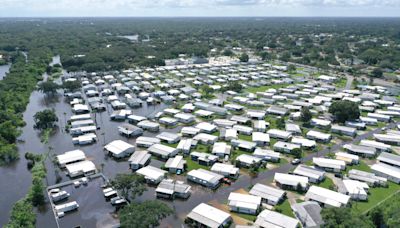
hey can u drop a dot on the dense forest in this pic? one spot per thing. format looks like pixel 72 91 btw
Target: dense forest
pixel 96 44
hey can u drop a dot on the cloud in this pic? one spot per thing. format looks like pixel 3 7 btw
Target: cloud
pixel 199 7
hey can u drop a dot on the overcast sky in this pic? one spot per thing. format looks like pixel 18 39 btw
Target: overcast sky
pixel 170 8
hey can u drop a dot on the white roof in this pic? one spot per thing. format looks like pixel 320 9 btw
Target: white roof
pixel 244 200
pixel 82 166
pixel 354 187
pixel 224 168
pixel 205 175
pixel 248 159
pixel 272 219
pixel 208 215
pixel 280 133
pixel 329 163
pixel 292 180
pixel 386 169
pixel 206 126
pixel 304 142
pixel 267 192
pixel 327 196
pixel 151 172
pixel 318 135
pixel 375 144
pixel 205 137
pixel 71 156
pixel 309 172
pixel 118 147
pixel 221 148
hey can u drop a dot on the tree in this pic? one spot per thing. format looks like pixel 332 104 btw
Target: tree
pixel 48 87
pixel 207 91
pixel 22 215
pixel 143 215
pixel 297 153
pixel 344 218
pixel 265 55
pixel 291 68
pixel 344 111
pixel 377 217
pixel 227 52
pixel 285 56
pixel 280 123
pixel 377 73
pixel 8 152
pixel 244 58
pixel 71 85
pixel 37 195
pixel 235 86
pixel 305 115
pixel 130 185
pixel 45 119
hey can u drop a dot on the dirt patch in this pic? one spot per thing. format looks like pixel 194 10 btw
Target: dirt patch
pixel 242 191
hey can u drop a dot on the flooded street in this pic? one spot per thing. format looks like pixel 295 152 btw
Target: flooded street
pixel 4 70
pixel 60 142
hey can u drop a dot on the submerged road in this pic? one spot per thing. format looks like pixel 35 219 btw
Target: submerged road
pixel 244 181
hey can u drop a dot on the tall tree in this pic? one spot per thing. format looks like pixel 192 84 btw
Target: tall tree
pixel 130 185
pixel 244 57
pixel 143 215
pixel 305 115
pixel 45 119
pixel 344 111
pixel 344 218
pixel 48 87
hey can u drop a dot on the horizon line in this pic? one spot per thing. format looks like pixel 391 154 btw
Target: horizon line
pixel 166 16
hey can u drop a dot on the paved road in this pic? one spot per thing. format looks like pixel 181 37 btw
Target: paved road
pixel 349 82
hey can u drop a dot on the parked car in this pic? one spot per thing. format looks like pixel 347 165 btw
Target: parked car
pixel 296 161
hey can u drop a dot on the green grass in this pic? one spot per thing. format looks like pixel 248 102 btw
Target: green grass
pixel 45 135
pixel 327 183
pixel 263 88
pixel 245 137
pixel 361 166
pixel 341 83
pixel 174 145
pixel 282 161
pixel 202 148
pixel 285 208
pixel 194 165
pixel 245 216
pixel 297 75
pixel 376 195
pixel 236 153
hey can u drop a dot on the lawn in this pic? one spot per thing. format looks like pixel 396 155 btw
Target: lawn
pixel 361 166
pixel 285 208
pixel 327 183
pixel 263 88
pixel 341 83
pixel 194 165
pixel 246 137
pixel 202 148
pixel 376 195
pixel 245 216
pixel 174 145
pixel 236 153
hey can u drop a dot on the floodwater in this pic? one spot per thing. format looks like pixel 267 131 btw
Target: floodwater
pixel 4 69
pixel 61 142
